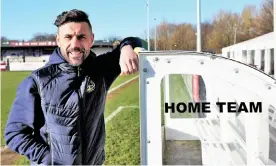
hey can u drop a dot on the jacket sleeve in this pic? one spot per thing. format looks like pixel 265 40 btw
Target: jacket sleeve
pixel 23 122
pixel 109 62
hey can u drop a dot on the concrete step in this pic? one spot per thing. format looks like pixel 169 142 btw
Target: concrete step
pixel 182 153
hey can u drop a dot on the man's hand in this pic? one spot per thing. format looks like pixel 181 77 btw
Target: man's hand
pixel 129 61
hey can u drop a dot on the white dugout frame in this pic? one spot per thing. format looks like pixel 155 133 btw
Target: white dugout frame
pixel 155 65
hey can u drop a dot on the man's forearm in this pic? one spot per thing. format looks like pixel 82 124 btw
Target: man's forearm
pixel 113 57
pixel 110 61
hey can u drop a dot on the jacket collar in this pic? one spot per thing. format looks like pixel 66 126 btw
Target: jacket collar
pixel 57 58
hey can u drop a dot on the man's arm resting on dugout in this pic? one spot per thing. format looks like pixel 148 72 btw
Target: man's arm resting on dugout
pixel 107 64
pixel 22 123
pixel 111 59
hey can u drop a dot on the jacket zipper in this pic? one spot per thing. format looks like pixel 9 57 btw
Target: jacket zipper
pixel 83 103
pixel 81 119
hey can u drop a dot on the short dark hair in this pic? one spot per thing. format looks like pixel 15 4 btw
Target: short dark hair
pixel 73 15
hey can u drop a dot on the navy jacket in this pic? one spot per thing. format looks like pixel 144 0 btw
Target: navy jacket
pixel 58 114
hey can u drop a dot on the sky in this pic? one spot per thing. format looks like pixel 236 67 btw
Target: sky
pixel 21 19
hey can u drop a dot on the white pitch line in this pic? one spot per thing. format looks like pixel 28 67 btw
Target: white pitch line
pixel 117 87
pixel 118 110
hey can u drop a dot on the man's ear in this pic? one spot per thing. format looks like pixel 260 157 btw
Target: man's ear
pixel 92 39
pixel 57 40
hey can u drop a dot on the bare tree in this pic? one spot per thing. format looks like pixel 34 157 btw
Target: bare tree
pixel 226 28
pixel 265 18
pixel 206 29
pixel 183 38
pixel 43 37
pixel 247 28
pixel 223 33
pixel 165 31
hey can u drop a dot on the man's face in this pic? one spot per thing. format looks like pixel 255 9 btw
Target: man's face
pixel 75 40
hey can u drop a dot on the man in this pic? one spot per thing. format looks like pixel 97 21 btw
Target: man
pixel 58 114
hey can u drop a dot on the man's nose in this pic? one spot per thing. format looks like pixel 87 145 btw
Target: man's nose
pixel 75 43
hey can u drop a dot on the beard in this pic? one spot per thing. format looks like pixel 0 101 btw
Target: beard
pixel 76 56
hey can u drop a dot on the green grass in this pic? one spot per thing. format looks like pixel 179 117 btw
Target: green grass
pixel 123 131
pixel 125 97
pixel 9 84
pixel 162 102
pixel 122 79
pixel 22 161
pixel 123 138
pixel 179 93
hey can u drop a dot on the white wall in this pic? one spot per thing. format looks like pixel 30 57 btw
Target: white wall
pixel 27 66
pixel 259 50
pixel 44 58
pixel 33 63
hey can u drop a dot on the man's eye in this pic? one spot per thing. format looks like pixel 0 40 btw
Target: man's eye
pixel 81 37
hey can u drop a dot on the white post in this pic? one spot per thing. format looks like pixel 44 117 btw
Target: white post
pixel 150 119
pixel 167 117
pixel 148 18
pixel 224 53
pixel 249 57
pixel 154 132
pixel 267 68
pixel 258 54
pixel 244 56
pixel 240 57
pixel 232 55
pixel 198 27
pixel 155 38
